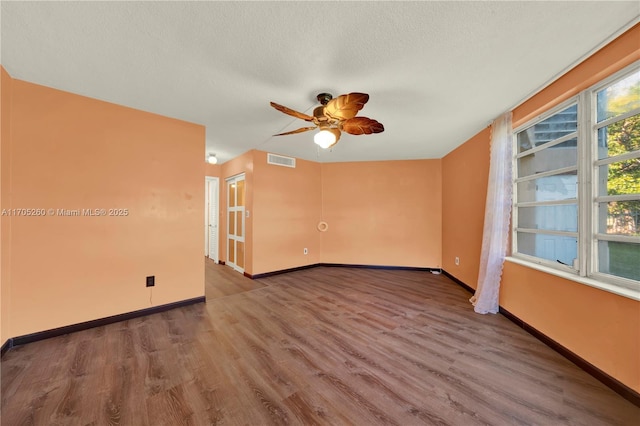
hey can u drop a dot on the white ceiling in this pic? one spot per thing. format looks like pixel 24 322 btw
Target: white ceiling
pixel 437 72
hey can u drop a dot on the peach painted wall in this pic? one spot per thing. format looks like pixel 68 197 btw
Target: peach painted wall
pixel 601 327
pixel 383 213
pixel 283 205
pixel 464 189
pixel 72 152
pixel 562 309
pixel 286 211
pixel 5 221
pixel 212 170
pixel 286 205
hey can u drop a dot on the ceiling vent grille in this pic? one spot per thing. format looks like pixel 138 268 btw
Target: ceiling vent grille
pixel 279 160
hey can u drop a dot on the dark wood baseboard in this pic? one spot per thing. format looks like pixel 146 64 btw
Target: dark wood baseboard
pixel 338 265
pixel 620 388
pixel 460 283
pixel 617 386
pixel 5 347
pixel 282 271
pixel 54 332
pixel 387 267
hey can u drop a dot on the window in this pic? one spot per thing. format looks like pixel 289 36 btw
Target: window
pixel 577 184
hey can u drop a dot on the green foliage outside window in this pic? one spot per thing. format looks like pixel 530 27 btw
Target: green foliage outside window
pixel 622 137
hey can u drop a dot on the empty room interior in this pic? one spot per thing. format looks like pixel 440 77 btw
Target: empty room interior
pixel 180 247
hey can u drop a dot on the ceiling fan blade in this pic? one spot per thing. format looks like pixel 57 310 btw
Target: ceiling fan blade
pixel 345 107
pixel 362 126
pixel 291 112
pixel 300 130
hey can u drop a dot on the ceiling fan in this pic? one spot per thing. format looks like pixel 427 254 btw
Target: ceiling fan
pixel 334 116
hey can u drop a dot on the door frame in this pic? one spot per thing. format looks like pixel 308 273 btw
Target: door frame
pixel 211 182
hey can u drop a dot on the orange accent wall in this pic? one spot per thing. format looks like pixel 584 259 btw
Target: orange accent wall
pixel 5 221
pixel 465 172
pixel 72 152
pixel 383 213
pixel 601 327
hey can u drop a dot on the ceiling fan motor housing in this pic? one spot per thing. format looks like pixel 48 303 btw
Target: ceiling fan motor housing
pixel 318 116
pixel 324 98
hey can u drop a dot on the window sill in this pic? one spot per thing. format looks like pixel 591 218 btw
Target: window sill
pixel 611 288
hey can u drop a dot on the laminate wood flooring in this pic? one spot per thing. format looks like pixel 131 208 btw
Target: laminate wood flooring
pixel 324 346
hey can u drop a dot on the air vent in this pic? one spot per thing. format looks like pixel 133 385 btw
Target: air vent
pixel 279 160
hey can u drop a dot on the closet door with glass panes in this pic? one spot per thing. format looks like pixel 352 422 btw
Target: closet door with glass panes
pixel 235 222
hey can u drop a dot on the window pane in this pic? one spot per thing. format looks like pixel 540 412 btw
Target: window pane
pixel 553 218
pixel 549 188
pixel 232 194
pixel 622 177
pixel 239 230
pixel 619 138
pixel 619 259
pixel 240 256
pixel 231 255
pixel 555 248
pixel 619 98
pixel 558 125
pixel 232 224
pixel 241 192
pixel 553 158
pixel 620 218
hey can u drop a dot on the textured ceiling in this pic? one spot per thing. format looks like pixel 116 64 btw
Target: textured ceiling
pixel 437 72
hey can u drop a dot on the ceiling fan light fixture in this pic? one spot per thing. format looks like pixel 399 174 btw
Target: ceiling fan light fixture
pixel 212 159
pixel 325 139
pixel 333 117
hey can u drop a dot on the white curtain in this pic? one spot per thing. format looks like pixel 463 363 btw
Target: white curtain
pixel 495 235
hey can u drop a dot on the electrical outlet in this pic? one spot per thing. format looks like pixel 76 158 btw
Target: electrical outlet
pixel 151 281
pixel 457 260
pixel 306 251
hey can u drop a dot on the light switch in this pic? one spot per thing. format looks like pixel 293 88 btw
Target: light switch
pixel 246 213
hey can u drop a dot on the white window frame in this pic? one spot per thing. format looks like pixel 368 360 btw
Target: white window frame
pixel 514 211
pixel 587 194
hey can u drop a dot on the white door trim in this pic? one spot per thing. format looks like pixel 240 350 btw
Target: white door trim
pixel 211 218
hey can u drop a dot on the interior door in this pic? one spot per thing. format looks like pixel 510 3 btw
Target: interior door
pixel 236 194
pixel 212 186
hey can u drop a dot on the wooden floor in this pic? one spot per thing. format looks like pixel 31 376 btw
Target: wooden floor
pixel 320 346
